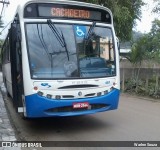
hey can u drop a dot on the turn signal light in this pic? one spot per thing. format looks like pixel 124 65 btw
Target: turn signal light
pixel 35 88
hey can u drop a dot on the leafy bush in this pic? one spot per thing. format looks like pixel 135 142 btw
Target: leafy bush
pixel 140 87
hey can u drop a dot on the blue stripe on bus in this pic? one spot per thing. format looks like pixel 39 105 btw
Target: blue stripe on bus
pixel 37 106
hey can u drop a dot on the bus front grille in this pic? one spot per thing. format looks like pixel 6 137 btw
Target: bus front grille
pixel 71 109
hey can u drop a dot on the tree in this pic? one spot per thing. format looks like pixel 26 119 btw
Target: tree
pixel 157 7
pixel 155 33
pixel 154 41
pixel 139 48
pixel 125 13
pixel 1 43
pixel 1 22
pixel 147 46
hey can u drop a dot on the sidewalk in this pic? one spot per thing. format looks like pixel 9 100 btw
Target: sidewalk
pixel 6 131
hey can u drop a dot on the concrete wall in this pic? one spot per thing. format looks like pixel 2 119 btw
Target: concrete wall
pixel 147 69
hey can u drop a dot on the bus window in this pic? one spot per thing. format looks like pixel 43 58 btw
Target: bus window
pixel 97 52
pixel 54 54
pixel 47 56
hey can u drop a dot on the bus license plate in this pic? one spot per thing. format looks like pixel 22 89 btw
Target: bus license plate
pixel 80 105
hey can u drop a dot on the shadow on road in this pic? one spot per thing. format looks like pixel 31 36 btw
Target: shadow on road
pixel 68 124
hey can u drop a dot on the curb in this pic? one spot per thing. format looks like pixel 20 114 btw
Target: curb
pixel 7 133
pixel 140 97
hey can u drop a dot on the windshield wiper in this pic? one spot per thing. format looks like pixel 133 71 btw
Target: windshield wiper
pixel 87 40
pixel 59 36
pixel 90 33
pixel 40 35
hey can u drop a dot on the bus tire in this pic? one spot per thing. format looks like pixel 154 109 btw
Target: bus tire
pixel 23 114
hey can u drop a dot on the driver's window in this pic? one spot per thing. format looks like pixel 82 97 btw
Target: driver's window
pixel 106 49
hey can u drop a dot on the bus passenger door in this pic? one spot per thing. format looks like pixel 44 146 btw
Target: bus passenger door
pixel 16 64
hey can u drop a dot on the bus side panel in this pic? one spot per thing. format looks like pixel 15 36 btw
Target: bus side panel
pixel 37 106
pixel 6 68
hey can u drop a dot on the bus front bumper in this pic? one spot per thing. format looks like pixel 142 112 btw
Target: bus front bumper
pixel 38 106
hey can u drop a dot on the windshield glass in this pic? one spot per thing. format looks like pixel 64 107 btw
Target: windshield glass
pixel 69 51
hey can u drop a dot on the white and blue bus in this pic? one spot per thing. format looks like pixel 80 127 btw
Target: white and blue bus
pixel 60 58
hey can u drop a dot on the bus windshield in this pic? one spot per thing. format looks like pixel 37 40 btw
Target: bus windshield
pixel 70 51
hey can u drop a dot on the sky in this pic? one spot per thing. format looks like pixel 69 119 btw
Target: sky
pixel 143 26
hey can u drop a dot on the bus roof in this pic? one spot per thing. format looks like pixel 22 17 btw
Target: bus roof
pixel 23 3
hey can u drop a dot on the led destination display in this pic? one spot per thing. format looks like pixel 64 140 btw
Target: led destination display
pixel 68 13
pixel 60 11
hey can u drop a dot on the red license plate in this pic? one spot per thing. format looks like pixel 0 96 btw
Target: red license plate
pixel 80 105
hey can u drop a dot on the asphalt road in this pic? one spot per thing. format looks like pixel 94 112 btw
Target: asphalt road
pixel 136 119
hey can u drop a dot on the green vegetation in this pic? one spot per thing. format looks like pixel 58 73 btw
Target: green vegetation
pixel 144 87
pixel 125 12
pixel 1 43
pixel 157 7
pixel 145 48
pixel 1 22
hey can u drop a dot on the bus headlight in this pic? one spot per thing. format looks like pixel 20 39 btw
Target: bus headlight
pixel 49 96
pixel 111 88
pixel 58 97
pixel 40 93
pixel 106 92
pixel 99 94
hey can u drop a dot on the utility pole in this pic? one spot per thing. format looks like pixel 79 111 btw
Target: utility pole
pixel 4 2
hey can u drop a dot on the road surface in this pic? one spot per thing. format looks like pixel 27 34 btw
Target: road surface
pixel 136 119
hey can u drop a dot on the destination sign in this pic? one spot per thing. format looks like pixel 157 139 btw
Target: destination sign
pixel 70 13
pixel 63 11
pixel 59 12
